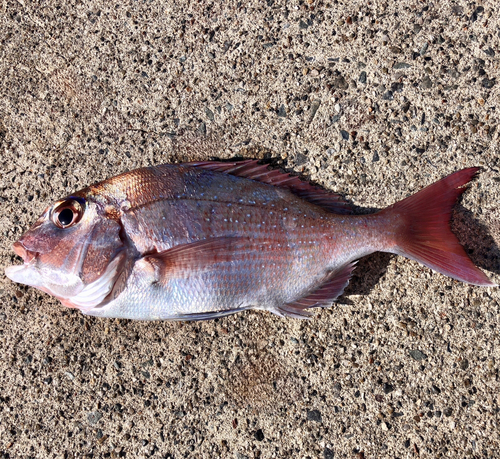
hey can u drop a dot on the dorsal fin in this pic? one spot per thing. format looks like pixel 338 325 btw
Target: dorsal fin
pixel 250 169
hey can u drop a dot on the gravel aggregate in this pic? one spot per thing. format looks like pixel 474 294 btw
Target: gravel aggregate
pixel 373 100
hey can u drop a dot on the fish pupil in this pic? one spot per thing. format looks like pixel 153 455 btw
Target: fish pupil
pixel 65 217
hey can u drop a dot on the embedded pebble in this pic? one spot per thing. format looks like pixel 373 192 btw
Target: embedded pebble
pixel 417 355
pixel 314 415
pixel 426 82
pixel 93 417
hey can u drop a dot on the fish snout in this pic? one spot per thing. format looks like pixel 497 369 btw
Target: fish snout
pixel 21 251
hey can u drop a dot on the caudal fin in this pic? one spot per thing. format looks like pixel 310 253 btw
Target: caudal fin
pixel 426 236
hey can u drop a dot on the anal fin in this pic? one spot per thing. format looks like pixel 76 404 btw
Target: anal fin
pixel 326 292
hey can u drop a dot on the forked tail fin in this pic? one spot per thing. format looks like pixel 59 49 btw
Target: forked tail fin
pixel 425 235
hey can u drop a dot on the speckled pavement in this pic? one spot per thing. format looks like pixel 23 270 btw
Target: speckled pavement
pixel 371 99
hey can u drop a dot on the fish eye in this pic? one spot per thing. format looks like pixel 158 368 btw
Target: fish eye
pixel 67 213
pixel 66 216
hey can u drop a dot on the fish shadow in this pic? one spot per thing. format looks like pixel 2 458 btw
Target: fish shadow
pixel 477 239
pixel 369 270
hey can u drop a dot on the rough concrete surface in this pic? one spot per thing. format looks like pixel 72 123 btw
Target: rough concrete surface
pixel 371 99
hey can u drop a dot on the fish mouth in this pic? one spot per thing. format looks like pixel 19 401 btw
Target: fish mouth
pixel 58 284
pixel 21 251
pixel 25 273
pixel 68 289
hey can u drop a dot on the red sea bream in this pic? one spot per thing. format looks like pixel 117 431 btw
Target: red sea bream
pixel 203 240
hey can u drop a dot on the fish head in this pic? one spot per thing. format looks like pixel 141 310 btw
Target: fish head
pixel 73 252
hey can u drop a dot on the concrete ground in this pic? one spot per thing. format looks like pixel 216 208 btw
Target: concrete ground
pixel 371 99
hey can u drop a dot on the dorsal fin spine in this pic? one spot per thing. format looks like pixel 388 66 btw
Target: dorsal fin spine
pixel 251 170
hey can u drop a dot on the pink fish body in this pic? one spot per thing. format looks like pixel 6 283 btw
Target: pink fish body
pixel 202 240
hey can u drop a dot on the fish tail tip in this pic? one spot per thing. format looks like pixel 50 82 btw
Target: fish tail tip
pixel 425 234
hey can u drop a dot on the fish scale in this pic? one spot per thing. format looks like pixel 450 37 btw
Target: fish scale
pixel 288 252
pixel 203 240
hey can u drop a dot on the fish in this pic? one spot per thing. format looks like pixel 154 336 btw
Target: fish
pixel 203 240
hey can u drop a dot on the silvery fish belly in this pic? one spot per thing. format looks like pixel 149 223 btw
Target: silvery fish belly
pixel 202 240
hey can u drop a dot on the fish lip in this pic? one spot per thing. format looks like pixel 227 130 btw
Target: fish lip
pixel 23 274
pixel 10 271
pixel 17 273
pixel 21 251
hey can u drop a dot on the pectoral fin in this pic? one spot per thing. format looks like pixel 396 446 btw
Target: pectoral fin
pixel 184 260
